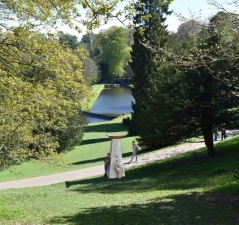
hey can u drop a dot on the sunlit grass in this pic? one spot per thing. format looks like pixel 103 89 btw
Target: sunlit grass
pixel 90 153
pixel 191 189
pixel 95 90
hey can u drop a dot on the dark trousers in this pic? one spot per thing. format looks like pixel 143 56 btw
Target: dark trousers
pixel 223 136
pixel 107 168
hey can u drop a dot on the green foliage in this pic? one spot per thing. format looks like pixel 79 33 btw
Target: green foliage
pixel 210 77
pixel 114 48
pixel 68 40
pixel 72 135
pixel 145 60
pixel 126 121
pixel 164 122
pixel 38 95
pixel 45 14
pixel 188 30
pixel 48 14
pixel 42 87
pixel 193 86
pixel 90 71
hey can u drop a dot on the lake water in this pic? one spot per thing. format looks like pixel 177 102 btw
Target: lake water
pixel 112 101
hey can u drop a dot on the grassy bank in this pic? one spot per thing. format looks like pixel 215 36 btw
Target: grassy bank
pixel 190 189
pixel 91 152
pixel 96 90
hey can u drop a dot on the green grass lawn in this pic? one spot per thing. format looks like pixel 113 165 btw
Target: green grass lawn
pixel 189 189
pixel 91 152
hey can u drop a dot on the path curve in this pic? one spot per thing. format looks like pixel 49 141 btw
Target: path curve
pixel 99 170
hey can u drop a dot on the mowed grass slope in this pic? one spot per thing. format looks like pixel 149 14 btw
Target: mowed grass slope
pixel 189 189
pixel 91 152
pixel 95 90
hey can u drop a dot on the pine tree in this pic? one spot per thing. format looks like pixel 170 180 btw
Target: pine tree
pixel 150 30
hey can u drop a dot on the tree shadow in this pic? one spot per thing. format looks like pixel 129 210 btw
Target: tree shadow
pixel 88 161
pixel 124 155
pixel 134 176
pixel 189 205
pixel 94 141
pixel 106 128
pixel 176 173
pixel 191 208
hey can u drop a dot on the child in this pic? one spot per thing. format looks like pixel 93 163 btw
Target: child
pixel 117 167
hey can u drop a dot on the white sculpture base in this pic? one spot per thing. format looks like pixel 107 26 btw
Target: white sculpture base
pixel 116 163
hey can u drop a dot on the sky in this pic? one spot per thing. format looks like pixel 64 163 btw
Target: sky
pixel 187 8
pixel 199 9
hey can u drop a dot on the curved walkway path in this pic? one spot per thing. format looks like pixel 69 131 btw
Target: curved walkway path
pixel 99 170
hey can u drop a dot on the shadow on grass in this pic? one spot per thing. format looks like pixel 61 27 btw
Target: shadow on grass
pixel 179 173
pixel 106 128
pixel 138 181
pixel 124 155
pixel 88 161
pixel 191 208
pixel 172 193
pixel 141 179
pixel 94 141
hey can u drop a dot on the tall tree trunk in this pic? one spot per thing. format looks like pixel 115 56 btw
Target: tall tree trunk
pixel 207 122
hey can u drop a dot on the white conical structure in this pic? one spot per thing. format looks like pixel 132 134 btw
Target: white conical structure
pixel 116 163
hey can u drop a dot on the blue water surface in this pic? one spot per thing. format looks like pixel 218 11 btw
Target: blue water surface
pixel 112 101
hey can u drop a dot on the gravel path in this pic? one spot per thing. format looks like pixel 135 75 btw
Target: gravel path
pixel 99 170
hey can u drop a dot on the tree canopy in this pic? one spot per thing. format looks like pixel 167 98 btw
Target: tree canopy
pixel 38 96
pixel 42 84
pixel 68 12
pixel 114 48
pixel 195 88
pixel 187 30
pixel 150 29
pixel 41 88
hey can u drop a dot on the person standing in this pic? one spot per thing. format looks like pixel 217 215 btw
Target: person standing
pixel 107 164
pixel 223 133
pixel 135 151
pixel 215 135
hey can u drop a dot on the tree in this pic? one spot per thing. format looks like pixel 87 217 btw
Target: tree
pixel 38 96
pixel 68 40
pixel 114 49
pixel 210 76
pixel 42 87
pixel 43 13
pixel 187 30
pixel 206 96
pixel 195 88
pixel 150 29
pixel 90 71
pixel 86 40
pixel 162 109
